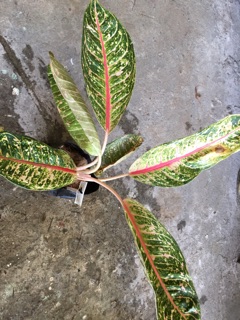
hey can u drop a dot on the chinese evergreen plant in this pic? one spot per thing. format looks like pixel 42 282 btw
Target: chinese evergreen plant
pixel 108 64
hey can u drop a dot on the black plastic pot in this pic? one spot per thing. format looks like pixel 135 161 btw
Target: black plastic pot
pixel 69 192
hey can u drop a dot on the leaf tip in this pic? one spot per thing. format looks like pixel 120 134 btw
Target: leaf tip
pixel 51 55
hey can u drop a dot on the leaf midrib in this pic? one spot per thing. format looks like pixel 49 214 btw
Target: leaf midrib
pixel 36 164
pixel 106 75
pixel 177 159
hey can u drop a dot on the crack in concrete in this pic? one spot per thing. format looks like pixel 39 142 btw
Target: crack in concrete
pixel 134 3
pixel 16 62
pixel 12 58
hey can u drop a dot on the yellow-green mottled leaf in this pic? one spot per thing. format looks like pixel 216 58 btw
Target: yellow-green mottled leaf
pixel 108 63
pixel 164 264
pixel 178 162
pixel 118 150
pixel 72 108
pixel 34 165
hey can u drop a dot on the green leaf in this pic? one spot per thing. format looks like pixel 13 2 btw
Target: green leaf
pixel 118 150
pixel 178 162
pixel 34 165
pixel 72 108
pixel 164 264
pixel 108 63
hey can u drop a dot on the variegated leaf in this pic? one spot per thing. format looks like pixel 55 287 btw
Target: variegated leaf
pixel 118 150
pixel 108 63
pixel 164 264
pixel 178 162
pixel 72 108
pixel 34 165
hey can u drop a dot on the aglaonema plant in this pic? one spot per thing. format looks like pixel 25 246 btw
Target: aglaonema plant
pixel 108 64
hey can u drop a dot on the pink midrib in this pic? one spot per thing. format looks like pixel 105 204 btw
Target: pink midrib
pixel 177 159
pixel 138 233
pixel 43 165
pixel 107 78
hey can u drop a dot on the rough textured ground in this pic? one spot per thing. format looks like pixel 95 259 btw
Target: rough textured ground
pixel 58 261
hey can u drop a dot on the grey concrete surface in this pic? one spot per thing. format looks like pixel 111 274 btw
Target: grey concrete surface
pixel 61 262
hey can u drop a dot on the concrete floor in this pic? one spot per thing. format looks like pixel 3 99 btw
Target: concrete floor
pixel 62 262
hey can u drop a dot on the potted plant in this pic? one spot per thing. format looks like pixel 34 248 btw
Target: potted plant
pixel 108 63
